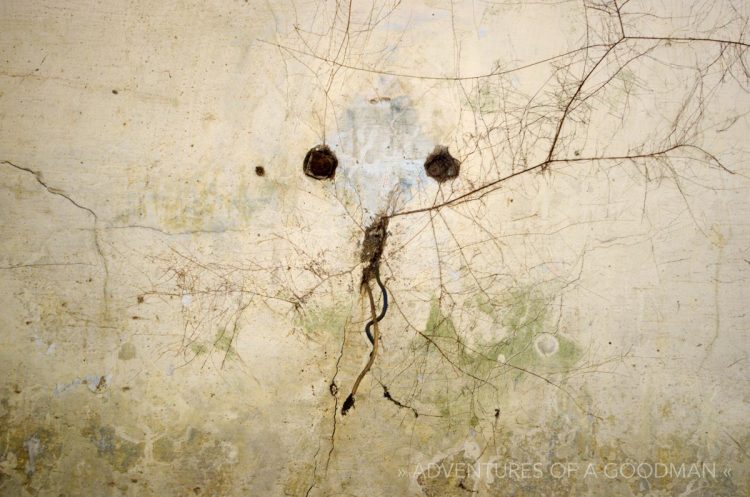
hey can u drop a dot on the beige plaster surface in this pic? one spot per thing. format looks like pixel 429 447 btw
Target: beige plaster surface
pixel 568 317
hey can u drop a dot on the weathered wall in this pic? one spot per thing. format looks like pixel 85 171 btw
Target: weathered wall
pixel 571 306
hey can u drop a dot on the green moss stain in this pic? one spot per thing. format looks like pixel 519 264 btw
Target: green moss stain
pixel 208 202
pixel 528 342
pixel 198 348
pixel 223 342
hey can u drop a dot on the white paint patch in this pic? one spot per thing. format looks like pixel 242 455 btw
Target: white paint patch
pixel 384 145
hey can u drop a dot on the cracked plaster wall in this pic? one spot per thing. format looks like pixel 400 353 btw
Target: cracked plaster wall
pixel 174 323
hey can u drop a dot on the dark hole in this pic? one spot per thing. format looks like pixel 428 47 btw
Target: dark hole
pixel 114 92
pixel 441 165
pixel 320 162
pixel 260 171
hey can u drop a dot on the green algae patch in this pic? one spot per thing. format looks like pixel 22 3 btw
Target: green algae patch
pixel 223 342
pixel 198 348
pixel 528 340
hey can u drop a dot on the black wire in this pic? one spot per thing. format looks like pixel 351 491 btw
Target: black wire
pixel 382 313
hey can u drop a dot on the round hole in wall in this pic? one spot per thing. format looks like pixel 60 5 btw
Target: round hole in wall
pixel 260 171
pixel 441 165
pixel 320 162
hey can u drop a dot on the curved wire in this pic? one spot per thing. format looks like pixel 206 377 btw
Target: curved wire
pixel 385 307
